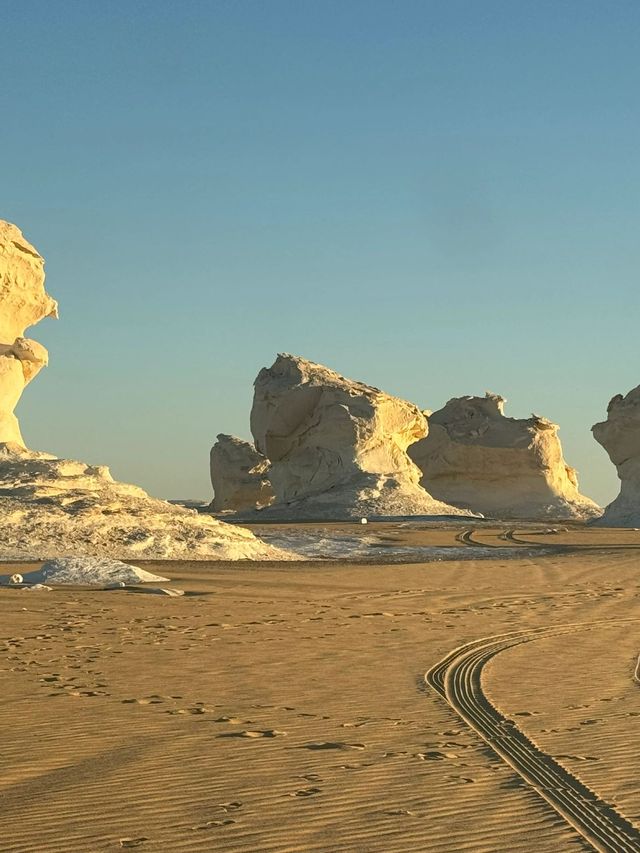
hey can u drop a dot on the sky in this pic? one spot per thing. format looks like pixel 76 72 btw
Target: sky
pixel 437 197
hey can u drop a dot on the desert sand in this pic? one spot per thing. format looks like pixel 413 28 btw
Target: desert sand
pixel 283 706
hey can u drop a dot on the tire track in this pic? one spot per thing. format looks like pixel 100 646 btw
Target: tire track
pixel 458 679
pixel 466 538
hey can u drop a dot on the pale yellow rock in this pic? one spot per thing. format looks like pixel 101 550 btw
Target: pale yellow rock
pixel 23 299
pixel 23 303
pixel 337 448
pixel 501 467
pixel 239 476
pixel 620 437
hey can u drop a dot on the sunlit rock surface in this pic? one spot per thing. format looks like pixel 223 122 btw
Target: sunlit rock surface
pixel 239 476
pixel 23 303
pixel 338 448
pixel 620 437
pixel 501 467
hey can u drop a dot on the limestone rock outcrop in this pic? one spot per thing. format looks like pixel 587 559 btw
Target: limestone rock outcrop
pixel 23 303
pixel 239 476
pixel 502 467
pixel 620 437
pixel 53 507
pixel 338 448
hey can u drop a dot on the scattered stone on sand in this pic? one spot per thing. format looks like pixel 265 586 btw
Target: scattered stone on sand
pixel 338 448
pixel 502 467
pixel 239 476
pixel 53 507
pixel 620 437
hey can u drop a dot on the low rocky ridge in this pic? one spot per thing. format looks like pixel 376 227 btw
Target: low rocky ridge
pixel 501 467
pixel 239 476
pixel 620 437
pixel 337 448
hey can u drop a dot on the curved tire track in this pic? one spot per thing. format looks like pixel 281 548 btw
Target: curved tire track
pixel 458 679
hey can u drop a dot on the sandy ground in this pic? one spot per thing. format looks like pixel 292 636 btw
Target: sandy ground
pixel 282 707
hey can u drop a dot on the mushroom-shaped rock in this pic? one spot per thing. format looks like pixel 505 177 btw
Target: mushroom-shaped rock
pixel 338 448
pixel 239 476
pixel 502 467
pixel 23 303
pixel 620 437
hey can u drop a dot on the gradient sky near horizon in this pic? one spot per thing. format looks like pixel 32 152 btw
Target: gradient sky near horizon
pixel 437 197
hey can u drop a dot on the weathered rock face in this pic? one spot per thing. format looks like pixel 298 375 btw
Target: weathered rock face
pixel 23 303
pixel 58 507
pixel 501 467
pixel 239 476
pixel 337 448
pixel 620 437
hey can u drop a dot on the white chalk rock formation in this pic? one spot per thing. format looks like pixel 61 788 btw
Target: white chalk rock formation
pixel 89 571
pixel 58 507
pixel 239 476
pixel 501 467
pixel 620 437
pixel 337 448
pixel 23 303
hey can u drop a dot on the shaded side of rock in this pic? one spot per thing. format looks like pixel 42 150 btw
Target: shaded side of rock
pixel 619 434
pixel 239 476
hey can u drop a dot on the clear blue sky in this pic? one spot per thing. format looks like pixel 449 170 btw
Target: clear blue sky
pixel 437 198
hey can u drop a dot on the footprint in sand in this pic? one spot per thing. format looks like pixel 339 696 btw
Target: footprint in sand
pixel 197 710
pixel 230 807
pixel 133 842
pixel 436 755
pixel 254 733
pixel 333 745
pixel 211 824
pixel 399 813
pixel 145 700
pixel 306 792
pixel 578 757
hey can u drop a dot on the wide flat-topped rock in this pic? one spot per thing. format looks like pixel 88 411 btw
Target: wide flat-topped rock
pixel 620 437
pixel 239 476
pixel 338 448
pixel 501 467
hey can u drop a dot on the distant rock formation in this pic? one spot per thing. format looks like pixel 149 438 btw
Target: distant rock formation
pixel 239 476
pixel 501 467
pixel 58 507
pixel 23 303
pixel 620 437
pixel 337 448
